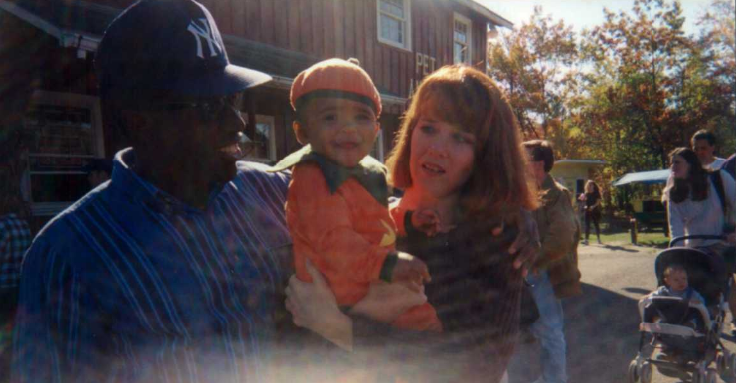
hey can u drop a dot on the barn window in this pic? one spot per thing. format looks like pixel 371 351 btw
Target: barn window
pixel 260 144
pixel 394 23
pixel 462 43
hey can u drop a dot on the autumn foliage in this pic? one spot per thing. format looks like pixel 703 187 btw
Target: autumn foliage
pixel 626 91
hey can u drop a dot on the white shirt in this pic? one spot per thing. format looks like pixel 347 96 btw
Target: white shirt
pixel 716 164
pixel 702 217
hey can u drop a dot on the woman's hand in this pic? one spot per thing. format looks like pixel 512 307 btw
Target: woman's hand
pixel 387 301
pixel 313 306
pixel 526 246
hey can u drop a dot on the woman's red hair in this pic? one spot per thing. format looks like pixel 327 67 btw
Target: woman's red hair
pixel 467 98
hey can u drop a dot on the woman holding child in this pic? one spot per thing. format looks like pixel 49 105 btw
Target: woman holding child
pixel 458 154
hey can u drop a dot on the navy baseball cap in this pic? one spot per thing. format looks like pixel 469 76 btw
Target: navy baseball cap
pixel 168 47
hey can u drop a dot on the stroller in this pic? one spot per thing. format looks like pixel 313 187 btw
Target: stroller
pixel 688 332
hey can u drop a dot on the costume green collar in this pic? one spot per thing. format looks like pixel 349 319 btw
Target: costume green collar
pixel 369 172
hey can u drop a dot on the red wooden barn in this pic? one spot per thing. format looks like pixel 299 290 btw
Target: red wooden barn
pixel 51 49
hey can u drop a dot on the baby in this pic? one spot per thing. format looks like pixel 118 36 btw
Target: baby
pixel 337 205
pixel 676 285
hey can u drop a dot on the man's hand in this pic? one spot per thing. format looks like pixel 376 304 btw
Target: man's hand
pixel 526 246
pixel 411 272
pixel 313 306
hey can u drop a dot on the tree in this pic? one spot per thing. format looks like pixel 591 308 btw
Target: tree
pixel 635 84
pixel 718 43
pixel 533 63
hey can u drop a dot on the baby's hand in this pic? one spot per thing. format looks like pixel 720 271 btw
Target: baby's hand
pixel 411 272
pixel 426 220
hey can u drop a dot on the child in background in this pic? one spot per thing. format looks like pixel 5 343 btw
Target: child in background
pixel 676 285
pixel 337 206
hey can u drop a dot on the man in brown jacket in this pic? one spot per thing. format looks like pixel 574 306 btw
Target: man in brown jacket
pixel 555 275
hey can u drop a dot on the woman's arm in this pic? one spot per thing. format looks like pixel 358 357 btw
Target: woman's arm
pixel 674 218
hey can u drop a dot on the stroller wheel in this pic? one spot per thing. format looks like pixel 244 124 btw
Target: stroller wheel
pixel 633 375
pixel 645 372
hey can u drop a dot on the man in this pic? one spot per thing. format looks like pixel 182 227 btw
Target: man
pixel 172 270
pixel 704 146
pixel 98 171
pixel 555 274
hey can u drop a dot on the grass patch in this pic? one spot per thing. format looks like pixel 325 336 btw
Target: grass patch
pixel 657 239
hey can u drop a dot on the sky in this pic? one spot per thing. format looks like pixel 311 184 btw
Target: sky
pixel 583 13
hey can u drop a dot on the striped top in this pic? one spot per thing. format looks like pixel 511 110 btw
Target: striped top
pixel 129 284
pixel 15 238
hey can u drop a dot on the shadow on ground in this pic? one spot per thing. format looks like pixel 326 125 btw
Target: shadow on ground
pixel 620 248
pixel 655 244
pixel 637 290
pixel 601 329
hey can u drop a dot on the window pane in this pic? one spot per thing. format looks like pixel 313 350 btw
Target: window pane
pixel 258 146
pixel 461 38
pixel 391 29
pixel 393 7
pixel 58 187
pixel 460 53
pixel 60 130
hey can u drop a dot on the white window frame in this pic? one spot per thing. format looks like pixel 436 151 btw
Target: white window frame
pixel 405 22
pixel 42 97
pixel 469 24
pixel 271 121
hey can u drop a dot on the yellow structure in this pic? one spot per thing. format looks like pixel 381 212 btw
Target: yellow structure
pixel 574 173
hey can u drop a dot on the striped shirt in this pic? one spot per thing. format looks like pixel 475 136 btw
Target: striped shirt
pixel 129 284
pixel 15 238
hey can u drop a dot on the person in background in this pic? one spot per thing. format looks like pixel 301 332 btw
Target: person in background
pixel 592 198
pixel 701 202
pixel 704 144
pixel 676 285
pixel 696 206
pixel 555 275
pixel 98 171
pixel 15 239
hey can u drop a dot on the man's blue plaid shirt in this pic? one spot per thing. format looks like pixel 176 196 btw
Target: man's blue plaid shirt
pixel 15 238
pixel 129 284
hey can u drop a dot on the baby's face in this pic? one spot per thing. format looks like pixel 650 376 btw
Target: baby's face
pixel 677 280
pixel 342 130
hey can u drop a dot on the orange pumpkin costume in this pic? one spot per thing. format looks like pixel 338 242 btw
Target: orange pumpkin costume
pixel 339 220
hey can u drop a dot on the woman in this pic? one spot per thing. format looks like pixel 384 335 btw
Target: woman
pixel 694 204
pixel 695 208
pixel 458 152
pixel 592 198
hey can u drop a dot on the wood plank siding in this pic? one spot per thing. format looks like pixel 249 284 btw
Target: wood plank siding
pixel 348 28
pixel 284 37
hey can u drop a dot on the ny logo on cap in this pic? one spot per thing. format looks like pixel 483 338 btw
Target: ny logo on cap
pixel 204 32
